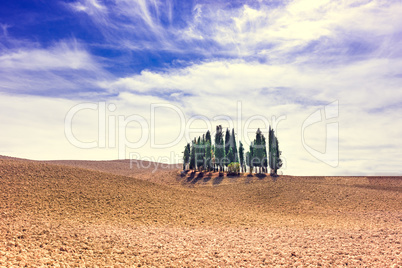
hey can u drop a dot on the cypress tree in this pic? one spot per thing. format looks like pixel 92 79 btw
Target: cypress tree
pixel 234 147
pixel 208 155
pixel 186 156
pixel 250 161
pixel 199 154
pixel 192 155
pixel 203 152
pixel 213 160
pixel 219 147
pixel 264 159
pixel 230 155
pixel 188 148
pixel 227 146
pixel 259 149
pixel 270 148
pixel 278 159
pixel 208 137
pixel 241 156
pixel 275 162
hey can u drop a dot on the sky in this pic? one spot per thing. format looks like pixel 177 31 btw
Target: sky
pixel 136 79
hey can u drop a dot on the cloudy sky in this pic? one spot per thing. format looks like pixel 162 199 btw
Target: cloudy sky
pixel 109 79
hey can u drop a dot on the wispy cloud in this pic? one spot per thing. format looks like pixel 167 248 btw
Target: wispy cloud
pixel 282 33
pixel 299 83
pixel 91 7
pixel 4 28
pixel 275 33
pixel 62 69
pixel 61 56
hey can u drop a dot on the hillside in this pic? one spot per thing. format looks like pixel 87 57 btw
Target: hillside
pixel 143 170
pixel 61 212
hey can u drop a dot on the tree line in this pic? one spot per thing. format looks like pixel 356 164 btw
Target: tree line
pixel 203 155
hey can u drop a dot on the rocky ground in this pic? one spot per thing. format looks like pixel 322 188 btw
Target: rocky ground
pixel 65 216
pixel 36 244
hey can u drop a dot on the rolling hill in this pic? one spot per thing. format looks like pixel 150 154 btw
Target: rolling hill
pixel 106 213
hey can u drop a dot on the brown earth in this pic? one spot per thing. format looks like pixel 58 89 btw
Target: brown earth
pixel 143 170
pixel 104 213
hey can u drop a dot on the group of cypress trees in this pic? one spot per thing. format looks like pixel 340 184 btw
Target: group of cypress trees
pixel 201 154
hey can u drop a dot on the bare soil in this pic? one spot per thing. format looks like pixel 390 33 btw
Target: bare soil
pixel 98 213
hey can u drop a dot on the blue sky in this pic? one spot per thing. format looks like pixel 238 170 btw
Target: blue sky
pixel 285 59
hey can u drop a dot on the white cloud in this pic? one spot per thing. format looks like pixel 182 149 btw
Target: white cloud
pixel 89 6
pixel 4 28
pixel 56 70
pixel 282 83
pixel 61 56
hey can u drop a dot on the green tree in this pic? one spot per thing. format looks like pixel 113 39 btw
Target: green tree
pixel 219 147
pixel 192 154
pixel 203 152
pixel 259 150
pixel 251 158
pixel 271 150
pixel 213 160
pixel 199 154
pixel 229 156
pixel 249 162
pixel 227 146
pixel 208 155
pixel 188 147
pixel 278 158
pixel 234 147
pixel 241 156
pixel 264 159
pixel 208 137
pixel 186 156
pixel 275 162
